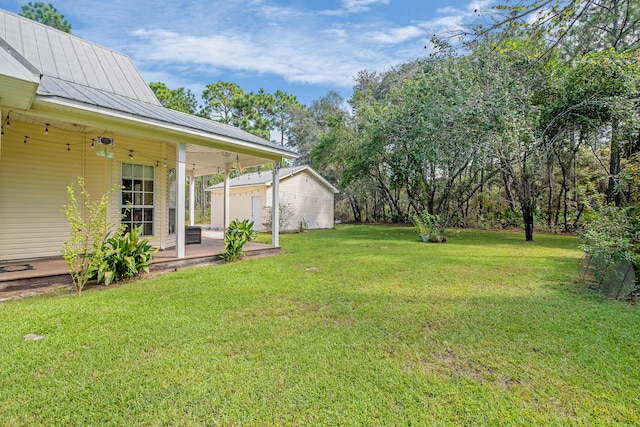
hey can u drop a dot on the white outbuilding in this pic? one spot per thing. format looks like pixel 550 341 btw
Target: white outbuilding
pixel 306 199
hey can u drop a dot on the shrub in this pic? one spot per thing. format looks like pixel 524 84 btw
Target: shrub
pixel 429 226
pixel 84 251
pixel 285 214
pixel 238 233
pixel 125 256
pixel 608 241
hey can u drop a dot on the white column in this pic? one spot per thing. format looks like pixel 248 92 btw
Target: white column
pixel 275 207
pixel 226 198
pixel 1 118
pixel 192 199
pixel 180 199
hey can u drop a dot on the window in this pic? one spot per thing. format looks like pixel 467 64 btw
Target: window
pixel 138 199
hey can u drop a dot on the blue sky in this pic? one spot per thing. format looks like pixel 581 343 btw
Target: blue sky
pixel 302 47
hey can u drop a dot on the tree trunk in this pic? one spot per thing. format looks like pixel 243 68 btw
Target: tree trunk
pixel 550 212
pixel 356 209
pixel 507 190
pixel 527 217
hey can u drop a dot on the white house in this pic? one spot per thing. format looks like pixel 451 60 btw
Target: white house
pixel 308 197
pixel 69 109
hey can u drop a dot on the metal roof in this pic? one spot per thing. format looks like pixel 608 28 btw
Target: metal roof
pixel 89 75
pixel 18 79
pixel 266 178
pixel 66 57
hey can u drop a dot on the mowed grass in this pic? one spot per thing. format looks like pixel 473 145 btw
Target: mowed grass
pixel 360 325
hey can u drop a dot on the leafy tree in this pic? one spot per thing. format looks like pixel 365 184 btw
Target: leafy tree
pixel 221 101
pixel 282 112
pixel 309 124
pixel 228 103
pixel 46 14
pixel 574 28
pixel 175 99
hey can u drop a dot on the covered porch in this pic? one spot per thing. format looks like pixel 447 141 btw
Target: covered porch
pixel 29 277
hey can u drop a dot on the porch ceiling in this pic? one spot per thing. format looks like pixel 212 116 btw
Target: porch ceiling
pixel 200 160
pixel 203 160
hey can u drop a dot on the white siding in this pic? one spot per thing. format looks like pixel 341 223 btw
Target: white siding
pixel 239 204
pixel 33 181
pixel 34 177
pixel 312 202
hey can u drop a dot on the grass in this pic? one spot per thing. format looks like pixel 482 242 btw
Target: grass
pixel 354 326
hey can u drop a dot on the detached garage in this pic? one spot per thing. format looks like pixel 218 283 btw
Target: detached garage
pixel 306 196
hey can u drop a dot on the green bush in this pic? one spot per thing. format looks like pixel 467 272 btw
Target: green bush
pixel 238 233
pixel 609 240
pixel 125 256
pixel 429 226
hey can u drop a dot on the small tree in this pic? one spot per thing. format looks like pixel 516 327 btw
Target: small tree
pixel 85 249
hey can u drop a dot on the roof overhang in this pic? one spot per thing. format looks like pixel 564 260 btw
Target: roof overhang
pixel 18 81
pixel 210 152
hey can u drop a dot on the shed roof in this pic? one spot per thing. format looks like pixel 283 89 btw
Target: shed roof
pixel 265 178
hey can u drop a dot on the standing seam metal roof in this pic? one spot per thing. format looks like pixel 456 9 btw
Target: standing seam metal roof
pixel 91 75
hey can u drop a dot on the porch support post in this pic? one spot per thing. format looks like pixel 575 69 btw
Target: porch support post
pixel 275 206
pixel 192 199
pixel 180 200
pixel 1 135
pixel 225 222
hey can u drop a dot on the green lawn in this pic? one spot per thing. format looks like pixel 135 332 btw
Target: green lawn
pixel 360 325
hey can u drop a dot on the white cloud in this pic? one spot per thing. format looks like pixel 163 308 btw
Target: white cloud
pixel 397 35
pixel 360 5
pixel 298 60
pixel 353 6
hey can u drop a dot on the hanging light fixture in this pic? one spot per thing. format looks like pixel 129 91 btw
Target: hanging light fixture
pixel 8 123
pixel 46 128
pixel 25 139
pixel 130 154
pixel 165 162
